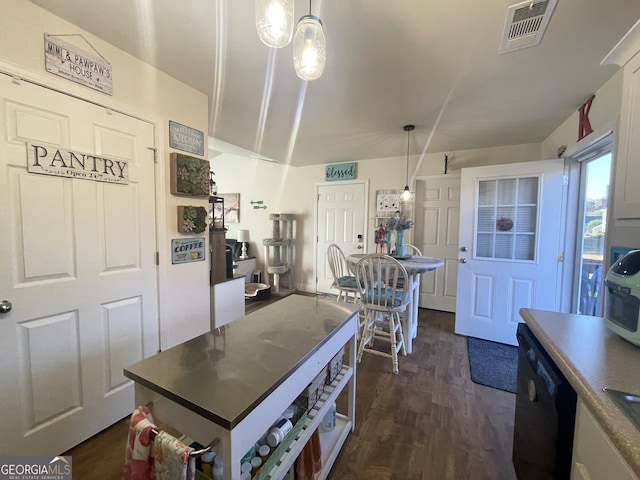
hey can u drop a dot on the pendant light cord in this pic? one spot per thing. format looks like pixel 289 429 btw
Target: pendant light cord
pixel 408 137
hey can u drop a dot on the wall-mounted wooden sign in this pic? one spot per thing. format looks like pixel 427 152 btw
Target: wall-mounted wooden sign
pixel 189 175
pixel 340 171
pixel 186 138
pixel 50 159
pixel 187 250
pixel 68 61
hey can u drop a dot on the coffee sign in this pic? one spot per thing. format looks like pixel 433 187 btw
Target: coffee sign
pixel 50 159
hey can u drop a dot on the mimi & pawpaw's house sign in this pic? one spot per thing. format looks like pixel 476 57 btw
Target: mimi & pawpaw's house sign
pixel 73 63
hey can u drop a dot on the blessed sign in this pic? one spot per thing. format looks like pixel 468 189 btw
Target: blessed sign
pixel 52 160
pixel 340 171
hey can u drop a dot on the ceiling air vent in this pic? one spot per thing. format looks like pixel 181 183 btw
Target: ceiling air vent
pixel 526 23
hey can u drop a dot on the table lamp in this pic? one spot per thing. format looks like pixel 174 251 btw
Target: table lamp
pixel 243 237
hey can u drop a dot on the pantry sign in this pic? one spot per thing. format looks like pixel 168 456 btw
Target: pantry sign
pixel 68 61
pixel 48 159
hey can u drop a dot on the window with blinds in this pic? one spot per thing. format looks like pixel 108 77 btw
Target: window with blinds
pixel 506 218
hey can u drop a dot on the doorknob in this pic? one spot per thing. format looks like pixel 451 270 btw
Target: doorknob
pixel 5 306
pixel 463 249
pixel 463 260
pixel 359 247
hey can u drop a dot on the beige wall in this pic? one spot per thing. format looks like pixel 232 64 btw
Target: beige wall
pixel 604 115
pixel 143 91
pixel 291 190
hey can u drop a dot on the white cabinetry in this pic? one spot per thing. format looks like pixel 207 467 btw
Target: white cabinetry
pixel 594 456
pixel 627 193
pixel 233 384
pixel 227 301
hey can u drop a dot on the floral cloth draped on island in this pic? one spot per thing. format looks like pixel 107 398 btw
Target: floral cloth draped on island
pixel 159 457
pixel 171 458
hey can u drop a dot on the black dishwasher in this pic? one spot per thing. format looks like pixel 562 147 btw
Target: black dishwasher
pixel 544 415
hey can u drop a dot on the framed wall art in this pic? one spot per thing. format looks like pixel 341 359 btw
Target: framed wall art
pixel 387 201
pixel 189 176
pixel 231 207
pixel 191 219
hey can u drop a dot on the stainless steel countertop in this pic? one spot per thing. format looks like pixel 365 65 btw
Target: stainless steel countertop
pixel 222 375
pixel 593 357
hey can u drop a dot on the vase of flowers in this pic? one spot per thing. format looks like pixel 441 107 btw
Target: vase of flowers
pixel 396 225
pixel 401 250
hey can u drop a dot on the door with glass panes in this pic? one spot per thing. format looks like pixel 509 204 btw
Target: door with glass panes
pixel 509 246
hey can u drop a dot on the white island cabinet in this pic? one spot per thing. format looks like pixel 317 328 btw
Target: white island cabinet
pixel 233 383
pixel 594 456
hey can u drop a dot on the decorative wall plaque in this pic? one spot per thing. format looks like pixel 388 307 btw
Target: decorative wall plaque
pixel 68 61
pixel 50 159
pixel 340 171
pixel 189 176
pixel 186 138
pixel 192 219
pixel 187 250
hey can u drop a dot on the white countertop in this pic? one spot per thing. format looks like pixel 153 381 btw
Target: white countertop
pixel 593 357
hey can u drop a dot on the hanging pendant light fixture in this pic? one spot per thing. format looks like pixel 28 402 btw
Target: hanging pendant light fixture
pixel 274 22
pixel 407 194
pixel 309 47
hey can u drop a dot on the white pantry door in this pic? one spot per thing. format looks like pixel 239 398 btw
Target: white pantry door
pixel 509 246
pixel 340 219
pixel 436 235
pixel 78 268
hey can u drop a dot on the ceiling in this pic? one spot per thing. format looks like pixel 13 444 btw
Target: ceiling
pixel 435 64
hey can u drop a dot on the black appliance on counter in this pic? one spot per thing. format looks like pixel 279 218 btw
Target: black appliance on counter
pixel 544 416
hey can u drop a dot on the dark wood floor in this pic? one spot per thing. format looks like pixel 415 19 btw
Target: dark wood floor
pixel 428 422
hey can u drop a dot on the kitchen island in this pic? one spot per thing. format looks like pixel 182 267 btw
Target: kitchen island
pixel 592 357
pixel 234 382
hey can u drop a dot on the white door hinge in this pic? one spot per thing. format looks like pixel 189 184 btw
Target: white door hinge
pixel 155 154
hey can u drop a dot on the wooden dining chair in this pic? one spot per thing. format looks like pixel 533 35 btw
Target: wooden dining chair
pixel 343 280
pixel 382 281
pixel 412 250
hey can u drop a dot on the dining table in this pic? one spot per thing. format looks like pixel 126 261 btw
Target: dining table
pixel 415 266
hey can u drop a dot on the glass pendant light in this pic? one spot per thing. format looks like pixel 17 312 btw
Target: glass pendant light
pixel 274 22
pixel 407 194
pixel 309 47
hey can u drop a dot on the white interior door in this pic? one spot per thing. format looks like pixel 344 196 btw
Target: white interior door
pixel 509 246
pixel 78 267
pixel 340 220
pixel 437 207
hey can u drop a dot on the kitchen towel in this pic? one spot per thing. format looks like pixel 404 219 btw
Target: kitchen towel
pixel 137 460
pixel 171 459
